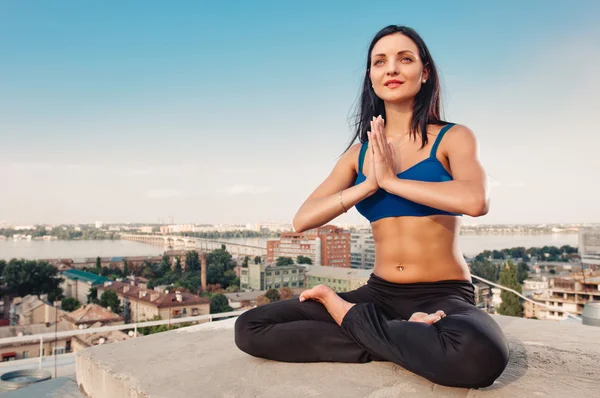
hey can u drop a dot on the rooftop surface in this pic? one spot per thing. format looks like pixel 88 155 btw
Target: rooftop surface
pixel 548 359
pixel 75 274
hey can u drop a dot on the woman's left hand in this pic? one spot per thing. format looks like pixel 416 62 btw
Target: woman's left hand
pixel 384 156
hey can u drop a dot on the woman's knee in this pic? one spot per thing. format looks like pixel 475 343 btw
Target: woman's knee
pixel 243 332
pixel 479 359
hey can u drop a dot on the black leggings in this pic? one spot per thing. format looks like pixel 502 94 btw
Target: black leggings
pixel 464 349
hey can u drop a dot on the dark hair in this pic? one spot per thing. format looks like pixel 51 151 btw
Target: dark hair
pixel 427 101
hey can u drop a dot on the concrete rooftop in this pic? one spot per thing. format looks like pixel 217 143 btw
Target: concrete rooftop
pixel 548 359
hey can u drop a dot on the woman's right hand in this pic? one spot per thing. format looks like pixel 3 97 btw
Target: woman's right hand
pixel 371 178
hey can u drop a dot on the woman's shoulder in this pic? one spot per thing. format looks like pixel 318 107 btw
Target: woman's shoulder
pixel 458 136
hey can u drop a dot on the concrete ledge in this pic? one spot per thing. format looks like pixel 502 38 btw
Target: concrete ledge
pixel 547 360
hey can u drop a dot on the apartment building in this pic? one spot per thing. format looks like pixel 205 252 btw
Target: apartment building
pixel 564 294
pixel 338 278
pixel 265 277
pixel 362 249
pixel 326 246
pixel 145 304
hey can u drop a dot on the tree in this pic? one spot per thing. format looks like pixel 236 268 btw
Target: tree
pixel 2 266
pixel 282 261
pixel 192 262
pixel 220 268
pixel 498 255
pixel 98 262
pixel 257 260
pixel 303 260
pixel 485 269
pixel 522 272
pixel 164 267
pixel 125 268
pixel 25 277
pixel 219 303
pixel 285 293
pixel 92 297
pixel 110 299
pixel 245 263
pixel 511 304
pixel 70 304
pixel 178 270
pixel 272 295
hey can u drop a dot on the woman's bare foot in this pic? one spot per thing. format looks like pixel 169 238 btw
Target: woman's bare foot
pixel 427 318
pixel 318 293
pixel 335 305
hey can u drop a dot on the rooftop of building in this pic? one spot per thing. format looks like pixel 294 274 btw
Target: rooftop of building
pixel 27 303
pixel 338 272
pixel 90 314
pixel 154 297
pixel 107 337
pixel 38 328
pixel 548 359
pixel 75 274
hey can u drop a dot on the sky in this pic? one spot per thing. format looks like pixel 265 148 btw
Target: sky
pixel 234 112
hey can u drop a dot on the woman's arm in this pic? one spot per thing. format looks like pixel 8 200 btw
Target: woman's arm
pixel 468 193
pixel 323 204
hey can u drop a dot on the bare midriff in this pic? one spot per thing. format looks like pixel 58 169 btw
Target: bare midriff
pixel 418 249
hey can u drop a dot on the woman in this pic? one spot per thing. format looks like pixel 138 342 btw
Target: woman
pixel 417 309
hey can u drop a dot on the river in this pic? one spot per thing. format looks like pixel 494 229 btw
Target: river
pixel 471 245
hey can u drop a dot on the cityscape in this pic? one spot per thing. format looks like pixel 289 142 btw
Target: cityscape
pixel 183 211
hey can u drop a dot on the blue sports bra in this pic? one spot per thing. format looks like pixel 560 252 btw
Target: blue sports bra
pixel 383 204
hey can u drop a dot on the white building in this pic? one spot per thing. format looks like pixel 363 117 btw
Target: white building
pixel 362 249
pixel 589 245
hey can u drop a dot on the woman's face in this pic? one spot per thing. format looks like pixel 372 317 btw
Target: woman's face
pixel 396 58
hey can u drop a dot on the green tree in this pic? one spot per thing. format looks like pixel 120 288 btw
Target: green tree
pixel 92 297
pixel 192 262
pixel 511 304
pixel 257 260
pixel 219 303
pixel 164 267
pixel 498 255
pixel 272 295
pixel 220 268
pixel 523 272
pixel 125 268
pixel 70 304
pixel 110 299
pixel 98 263
pixel 2 266
pixel 178 269
pixel 25 277
pixel 485 269
pixel 282 261
pixel 245 263
pixel 304 260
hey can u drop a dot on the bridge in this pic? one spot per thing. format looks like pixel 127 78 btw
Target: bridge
pixel 186 242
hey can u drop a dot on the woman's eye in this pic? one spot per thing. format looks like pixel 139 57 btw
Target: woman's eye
pixel 406 59
pixel 377 62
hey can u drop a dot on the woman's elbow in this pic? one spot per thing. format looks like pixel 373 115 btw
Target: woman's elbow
pixel 298 225
pixel 479 206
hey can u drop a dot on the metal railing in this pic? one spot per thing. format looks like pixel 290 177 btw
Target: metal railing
pixel 523 297
pixel 49 337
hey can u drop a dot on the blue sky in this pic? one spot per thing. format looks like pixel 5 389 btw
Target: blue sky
pixel 234 113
